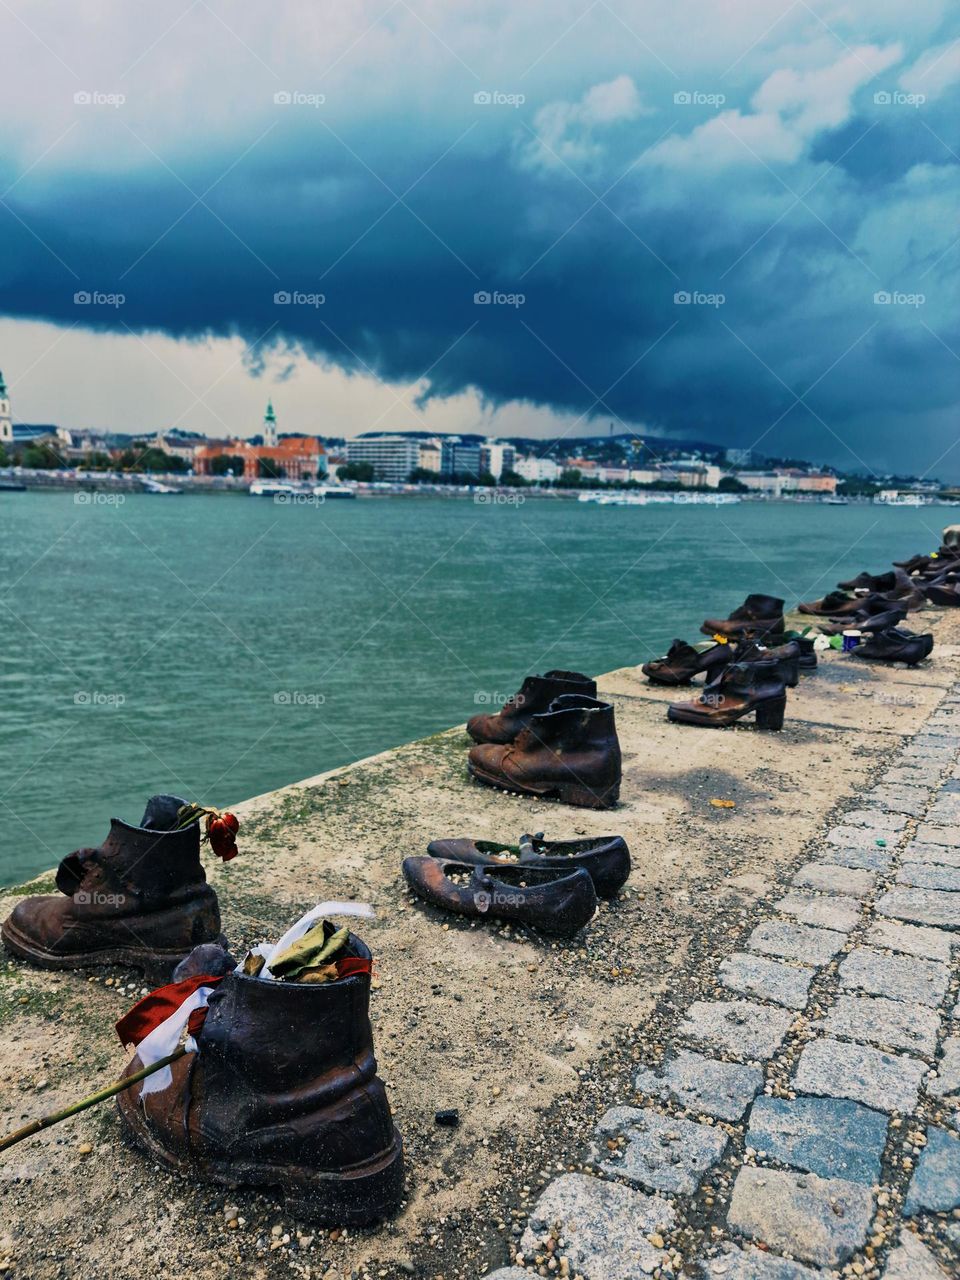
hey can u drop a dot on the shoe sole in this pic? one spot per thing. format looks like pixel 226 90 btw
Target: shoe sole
pixel 356 1197
pixel 157 965
pixel 769 716
pixel 567 793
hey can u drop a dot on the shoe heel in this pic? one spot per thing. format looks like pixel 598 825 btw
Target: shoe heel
pixel 584 798
pixel 770 713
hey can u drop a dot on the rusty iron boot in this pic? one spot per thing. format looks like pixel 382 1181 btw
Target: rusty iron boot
pixel 556 901
pixel 895 646
pixel 606 859
pixel 870 582
pixel 282 1092
pixel 785 657
pixel 141 898
pixel 535 695
pixel 682 662
pixel 569 752
pixel 757 616
pixel 740 689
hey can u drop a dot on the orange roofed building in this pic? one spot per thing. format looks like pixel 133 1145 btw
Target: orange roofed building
pixel 290 458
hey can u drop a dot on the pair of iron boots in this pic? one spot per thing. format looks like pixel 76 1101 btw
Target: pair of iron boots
pixel 283 1090
pixel 554 738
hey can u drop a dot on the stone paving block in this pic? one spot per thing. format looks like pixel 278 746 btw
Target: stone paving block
pixel 931 944
pixel 916 775
pixel 831 1137
pixel 884 1081
pixel 831 878
pixel 861 838
pixel 904 800
pixel 877 819
pixel 819 1220
pixel 867 859
pixel 933 833
pixel 944 855
pixel 943 811
pixel 888 1024
pixel 745 1029
pixel 753 1264
pixel 898 977
pixel 797 941
pixel 922 906
pixel 933 744
pixel 833 912
pixel 663 1153
pixel 923 742
pixel 767 979
pixel 947 1078
pixel 912 1260
pixel 723 1089
pixel 926 875
pixel 935 1187
pixel 605 1226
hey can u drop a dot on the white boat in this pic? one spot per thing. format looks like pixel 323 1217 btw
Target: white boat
pixel 836 500
pixel 270 489
pixel 325 491
pixel 154 486
pixel 894 499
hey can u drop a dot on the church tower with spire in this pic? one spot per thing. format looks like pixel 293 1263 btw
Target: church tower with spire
pixel 270 427
pixel 6 422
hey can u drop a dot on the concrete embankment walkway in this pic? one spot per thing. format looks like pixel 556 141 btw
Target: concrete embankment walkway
pixel 747 1063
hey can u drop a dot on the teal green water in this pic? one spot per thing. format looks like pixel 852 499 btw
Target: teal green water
pixel 218 647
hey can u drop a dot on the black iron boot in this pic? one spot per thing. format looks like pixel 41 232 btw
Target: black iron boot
pixel 757 616
pixel 140 898
pixel 740 689
pixel 535 695
pixel 282 1093
pixel 682 662
pixel 569 752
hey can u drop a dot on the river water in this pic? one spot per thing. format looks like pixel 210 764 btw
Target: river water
pixel 221 646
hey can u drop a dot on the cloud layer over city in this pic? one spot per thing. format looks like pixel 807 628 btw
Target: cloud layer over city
pixel 729 222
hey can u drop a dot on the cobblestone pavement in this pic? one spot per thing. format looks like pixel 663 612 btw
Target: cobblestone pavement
pixel 808 1124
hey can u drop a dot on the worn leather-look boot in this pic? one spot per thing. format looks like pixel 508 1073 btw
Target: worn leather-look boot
pixel 570 752
pixel 757 615
pixel 556 901
pixel 740 689
pixel 785 657
pixel 895 646
pixel 140 898
pixel 535 695
pixel 870 582
pixel 682 662
pixel 283 1092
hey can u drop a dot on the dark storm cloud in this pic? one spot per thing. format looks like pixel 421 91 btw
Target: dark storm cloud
pixel 709 269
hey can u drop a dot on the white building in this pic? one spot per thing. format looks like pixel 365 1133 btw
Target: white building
pixel 763 482
pixel 497 457
pixel 392 457
pixel 429 455
pixel 6 422
pixel 537 470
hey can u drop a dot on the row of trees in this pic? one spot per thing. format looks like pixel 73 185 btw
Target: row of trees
pixel 568 479
pixel 45 457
